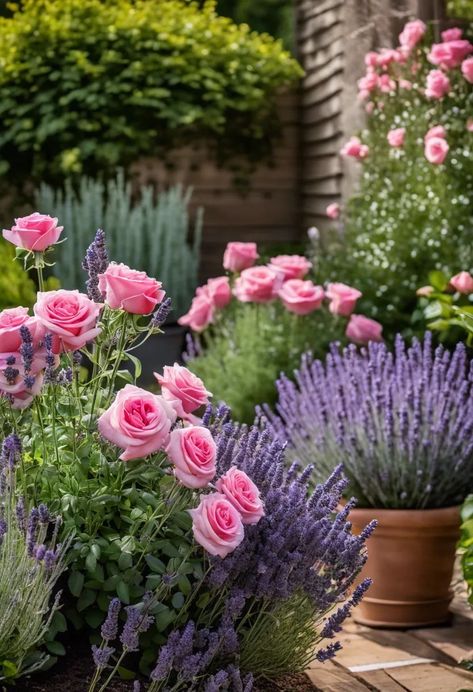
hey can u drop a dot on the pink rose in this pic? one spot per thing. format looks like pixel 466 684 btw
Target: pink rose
pixel 239 256
pixel 386 84
pixel 438 84
pixel 10 322
pixel 396 137
pixel 369 108
pixel 130 290
pixel 258 285
pixel 371 59
pixel 405 84
pixel 292 266
pixel 436 150
pixel 183 390
pixel 138 422
pixel 469 124
pixel 301 297
pixel 361 329
pixel 451 34
pixel 35 232
pixel 368 83
pixel 216 524
pixel 200 315
pixel 424 291
pixel 71 317
pixel 467 70
pixel 462 282
pixel 343 298
pixel 217 290
pixel 449 54
pixel 193 452
pixel 242 493
pixel 333 210
pixel 436 131
pixel 412 33
pixel 355 148
pixel 388 56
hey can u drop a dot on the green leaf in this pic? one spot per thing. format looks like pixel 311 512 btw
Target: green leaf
pixel 75 583
pixel 56 648
pixel 438 280
pixel 126 674
pixel 86 599
pixel 123 592
pixel 155 564
pixel 178 600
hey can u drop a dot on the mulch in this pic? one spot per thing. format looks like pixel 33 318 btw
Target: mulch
pixel 73 672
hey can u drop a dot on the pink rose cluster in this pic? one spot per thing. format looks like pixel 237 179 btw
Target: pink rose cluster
pixel 283 278
pixel 142 423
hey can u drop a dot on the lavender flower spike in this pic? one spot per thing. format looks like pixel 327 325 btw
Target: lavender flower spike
pixel 161 314
pixel 109 629
pixel 95 262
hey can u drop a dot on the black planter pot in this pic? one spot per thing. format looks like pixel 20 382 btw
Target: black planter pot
pixel 160 350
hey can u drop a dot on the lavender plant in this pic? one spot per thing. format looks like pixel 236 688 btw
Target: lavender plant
pixel 30 565
pixel 401 423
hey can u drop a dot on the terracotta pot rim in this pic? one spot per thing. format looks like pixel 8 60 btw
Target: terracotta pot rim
pixel 440 516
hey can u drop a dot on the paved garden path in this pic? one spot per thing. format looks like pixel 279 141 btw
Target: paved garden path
pixel 422 660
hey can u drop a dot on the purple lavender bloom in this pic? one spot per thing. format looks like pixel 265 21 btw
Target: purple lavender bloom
pixel 3 529
pixel 161 314
pixel 49 375
pixel 95 262
pixel 329 652
pixel 11 451
pixel 50 558
pixel 405 441
pixel 101 655
pixel 136 686
pixel 109 629
pixel 136 623
pixel 26 348
pixel 39 552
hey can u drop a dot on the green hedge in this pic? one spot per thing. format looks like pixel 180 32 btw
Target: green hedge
pixel 86 85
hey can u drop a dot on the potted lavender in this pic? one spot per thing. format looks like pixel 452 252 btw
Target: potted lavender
pixel 401 423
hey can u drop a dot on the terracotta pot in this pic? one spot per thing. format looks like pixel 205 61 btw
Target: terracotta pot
pixel 410 559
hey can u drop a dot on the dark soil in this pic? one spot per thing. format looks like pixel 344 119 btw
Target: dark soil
pixel 73 672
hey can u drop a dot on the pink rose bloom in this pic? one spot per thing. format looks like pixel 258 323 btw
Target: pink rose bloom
pixel 467 70
pixel 361 330
pixel 301 297
pixel 369 108
pixel 386 84
pixel 469 124
pixel 138 422
pixel 292 266
pixel 183 390
pixel 436 131
pixel 438 84
pixel 10 322
pixel 343 298
pixel 450 54
pixel 451 34
pixel 193 452
pixel 355 149
pixel 436 150
pixel 412 33
pixel 333 210
pixel 388 56
pixel 368 83
pixel 258 284
pixel 240 490
pixel 35 232
pixel 396 137
pixel 130 290
pixel 200 315
pixel 12 377
pixel 216 524
pixel 405 84
pixel 239 256
pixel 217 290
pixel 371 59
pixel 462 282
pixel 71 317
pixel 424 291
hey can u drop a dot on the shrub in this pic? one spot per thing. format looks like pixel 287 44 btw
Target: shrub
pixel 98 84
pixel 409 215
pixel 399 423
pixel 153 235
pixel 125 466
pixel 30 565
pixel 243 344
pixel 15 287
